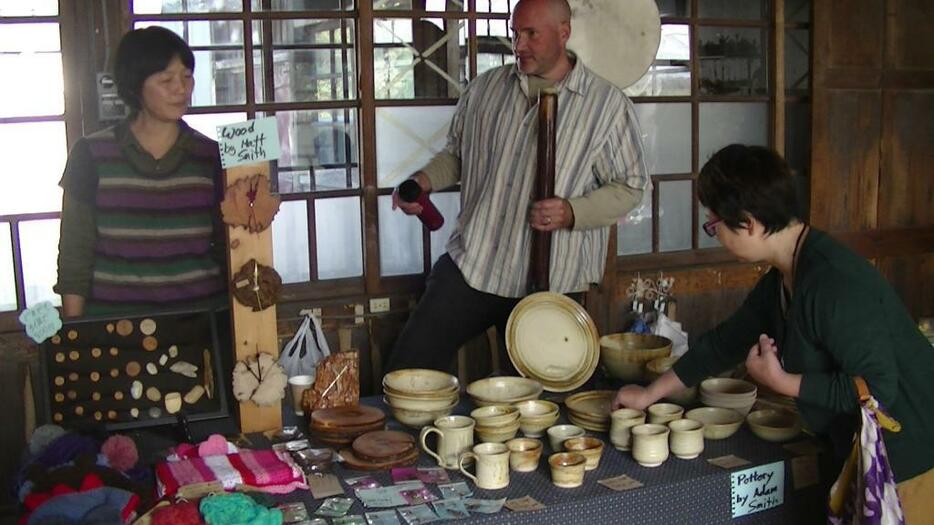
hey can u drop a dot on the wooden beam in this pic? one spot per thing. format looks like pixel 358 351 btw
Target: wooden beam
pixel 252 331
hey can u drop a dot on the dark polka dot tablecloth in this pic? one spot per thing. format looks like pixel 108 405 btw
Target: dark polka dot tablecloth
pixel 679 491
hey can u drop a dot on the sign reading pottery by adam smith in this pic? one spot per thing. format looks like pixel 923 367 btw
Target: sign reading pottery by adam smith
pixel 758 488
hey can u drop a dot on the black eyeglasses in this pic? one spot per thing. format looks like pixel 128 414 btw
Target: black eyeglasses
pixel 710 227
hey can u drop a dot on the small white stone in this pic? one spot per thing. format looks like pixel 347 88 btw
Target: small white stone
pixel 152 369
pixel 194 394
pixel 173 351
pixel 134 412
pixel 136 389
pixel 163 360
pixel 184 368
pixel 155 412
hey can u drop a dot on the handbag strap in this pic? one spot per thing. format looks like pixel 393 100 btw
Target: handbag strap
pixel 862 392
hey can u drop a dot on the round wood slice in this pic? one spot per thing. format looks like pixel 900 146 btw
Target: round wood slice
pixel 344 436
pixel 383 445
pixel 348 416
pixel 355 429
pixel 353 461
pixel 124 327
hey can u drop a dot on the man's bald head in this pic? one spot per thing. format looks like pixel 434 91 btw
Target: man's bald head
pixel 559 9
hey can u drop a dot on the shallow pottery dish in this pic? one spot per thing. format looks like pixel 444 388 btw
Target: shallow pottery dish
pixel 416 382
pixel 719 423
pixel 419 418
pixel 624 355
pixel 503 390
pixel 495 415
pixel 774 425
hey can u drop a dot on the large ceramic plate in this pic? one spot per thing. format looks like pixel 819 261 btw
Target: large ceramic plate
pixel 552 339
pixel 596 404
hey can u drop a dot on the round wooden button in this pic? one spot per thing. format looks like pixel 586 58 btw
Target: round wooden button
pixel 57 417
pixel 150 343
pixel 79 410
pixel 59 397
pixel 95 376
pixel 96 352
pixel 118 395
pixel 114 373
pixel 74 355
pixel 59 380
pixel 73 376
pixel 147 326
pixel 98 416
pixel 114 351
pixel 96 396
pixel 153 394
pixel 124 327
pixel 56 339
pixel 72 335
pixel 133 368
pixel 72 395
pixel 60 357
pixel 111 414
pixel 110 328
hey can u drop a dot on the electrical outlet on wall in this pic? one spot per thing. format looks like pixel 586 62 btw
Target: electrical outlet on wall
pixel 379 305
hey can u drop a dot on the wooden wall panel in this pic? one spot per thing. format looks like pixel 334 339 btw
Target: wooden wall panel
pixel 911 277
pixel 911 37
pixel 845 173
pixel 906 188
pixel 855 38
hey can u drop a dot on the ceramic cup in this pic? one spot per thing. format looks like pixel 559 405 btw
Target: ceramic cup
pixel 524 454
pixel 621 422
pixel 567 469
pixel 687 438
pixel 589 447
pixel 298 385
pixel 662 413
pixel 455 436
pixel 650 444
pixel 558 433
pixel 492 463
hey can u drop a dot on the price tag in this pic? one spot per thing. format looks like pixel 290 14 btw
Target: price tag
pixel 525 504
pixel 620 483
pixel 758 488
pixel 324 485
pixel 41 321
pixel 728 462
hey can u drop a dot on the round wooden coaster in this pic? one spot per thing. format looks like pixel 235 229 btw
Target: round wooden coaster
pixel 150 343
pixel 346 432
pixel 95 352
pixel 383 445
pixel 114 351
pixel 59 380
pixel 355 462
pixel 95 376
pixel 349 416
pixel 133 368
pixel 147 326
pixel 74 355
pixel 60 357
pixel 124 327
pixel 96 396
pixel 72 335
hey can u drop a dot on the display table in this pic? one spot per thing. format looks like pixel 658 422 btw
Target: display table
pixel 678 491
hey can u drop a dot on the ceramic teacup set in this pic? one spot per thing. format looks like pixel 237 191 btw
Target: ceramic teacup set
pixel 651 440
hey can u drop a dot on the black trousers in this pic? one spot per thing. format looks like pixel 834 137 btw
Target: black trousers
pixel 449 314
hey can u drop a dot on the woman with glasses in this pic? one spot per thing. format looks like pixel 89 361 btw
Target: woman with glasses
pixel 821 316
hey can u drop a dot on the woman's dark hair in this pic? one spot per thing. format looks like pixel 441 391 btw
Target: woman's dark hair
pixel 741 181
pixel 144 52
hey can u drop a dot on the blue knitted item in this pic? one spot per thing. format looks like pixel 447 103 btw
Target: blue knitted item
pixel 237 509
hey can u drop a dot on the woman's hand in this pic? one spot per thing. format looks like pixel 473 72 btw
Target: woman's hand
pixel 632 396
pixel 763 365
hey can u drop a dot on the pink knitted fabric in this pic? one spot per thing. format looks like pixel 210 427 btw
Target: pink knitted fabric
pixel 214 445
pixel 120 452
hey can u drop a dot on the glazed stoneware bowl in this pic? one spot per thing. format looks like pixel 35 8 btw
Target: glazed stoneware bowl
pixel 719 423
pixel 774 425
pixel 624 355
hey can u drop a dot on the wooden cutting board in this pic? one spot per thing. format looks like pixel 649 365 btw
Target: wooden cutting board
pixel 352 461
pixel 384 445
pixel 346 416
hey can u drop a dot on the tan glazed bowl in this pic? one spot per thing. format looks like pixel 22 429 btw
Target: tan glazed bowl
pixel 589 447
pixel 719 423
pixel 567 469
pixel 774 425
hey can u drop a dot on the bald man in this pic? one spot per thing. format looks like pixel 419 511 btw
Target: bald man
pixel 600 176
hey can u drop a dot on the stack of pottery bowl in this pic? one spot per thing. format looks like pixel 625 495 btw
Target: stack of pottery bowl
pixel 656 367
pixel 724 392
pixel 503 390
pixel 496 423
pixel 589 447
pixel 774 425
pixel 418 396
pixel 624 355
pixel 591 410
pixel 719 423
pixel 535 416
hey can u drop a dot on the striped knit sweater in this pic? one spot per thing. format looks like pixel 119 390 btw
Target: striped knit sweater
pixel 140 234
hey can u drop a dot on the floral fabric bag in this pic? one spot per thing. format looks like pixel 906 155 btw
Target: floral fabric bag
pixel 865 491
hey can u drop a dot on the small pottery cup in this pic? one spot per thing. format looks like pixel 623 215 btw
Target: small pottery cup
pixel 492 463
pixel 455 436
pixel 687 438
pixel 567 469
pixel 650 444
pixel 558 433
pixel 524 454
pixel 621 422
pixel 662 413
pixel 589 447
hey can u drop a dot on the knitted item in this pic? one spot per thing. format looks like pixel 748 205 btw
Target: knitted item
pixel 214 445
pixel 237 509
pixel 184 513
pixel 43 436
pixel 78 507
pixel 120 452
pixel 267 470
pixel 78 477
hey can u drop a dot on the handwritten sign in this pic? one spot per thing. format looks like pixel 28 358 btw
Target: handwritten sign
pixel 248 142
pixel 758 488
pixel 41 321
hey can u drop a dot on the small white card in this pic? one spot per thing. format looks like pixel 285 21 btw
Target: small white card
pixel 249 142
pixel 758 488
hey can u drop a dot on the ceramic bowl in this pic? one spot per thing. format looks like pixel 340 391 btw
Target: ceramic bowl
pixel 420 382
pixel 495 415
pixel 497 434
pixel 589 447
pixel 418 418
pixel 719 423
pixel 524 454
pixel 624 355
pixel 536 427
pixel 728 393
pixel 503 390
pixel 567 469
pixel 536 408
pixel 662 413
pixel 558 433
pixel 424 404
pixel 774 425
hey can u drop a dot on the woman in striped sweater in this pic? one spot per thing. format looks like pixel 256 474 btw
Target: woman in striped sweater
pixel 140 226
